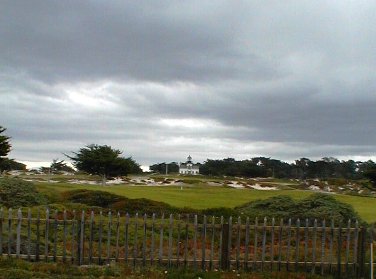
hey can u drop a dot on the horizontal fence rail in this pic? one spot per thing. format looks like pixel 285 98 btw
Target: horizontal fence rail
pixel 201 242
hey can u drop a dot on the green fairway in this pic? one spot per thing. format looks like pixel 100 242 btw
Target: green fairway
pixel 200 197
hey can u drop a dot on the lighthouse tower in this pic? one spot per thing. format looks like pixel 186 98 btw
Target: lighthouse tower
pixel 189 167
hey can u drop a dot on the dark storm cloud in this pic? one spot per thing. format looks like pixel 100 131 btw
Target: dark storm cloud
pixel 213 79
pixel 68 40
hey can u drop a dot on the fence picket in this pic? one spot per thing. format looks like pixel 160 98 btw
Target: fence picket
pixel 355 250
pixel 362 251
pixel 372 235
pixel 28 234
pixel 323 242
pixel 348 235
pixel 109 231
pixel 280 231
pixel 203 245
pixel 64 236
pixel 263 244
pixel 170 240
pixel 195 243
pixel 186 242
pixel 297 244
pixel 91 236
pixel 238 244
pixel 339 249
pixel 272 245
pixel 38 237
pixel 212 243
pixel 73 236
pixel 82 238
pixel 1 231
pixel 152 239
pixel 178 242
pixel 126 238
pixel 144 241
pixel 331 240
pixel 255 245
pixel 246 245
pixel 221 240
pixel 229 241
pixel 100 236
pixel 55 236
pixel 160 252
pixel 306 232
pixel 18 239
pixel 225 260
pixel 288 245
pixel 314 247
pixel 135 243
pixel 47 228
pixel 117 237
pixel 10 235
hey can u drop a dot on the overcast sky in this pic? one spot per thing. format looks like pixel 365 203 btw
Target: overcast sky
pixel 161 80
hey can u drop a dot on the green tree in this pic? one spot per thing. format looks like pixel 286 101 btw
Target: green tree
pixel 371 175
pixel 104 161
pixel 172 167
pixel 10 164
pixel 60 166
pixel 5 146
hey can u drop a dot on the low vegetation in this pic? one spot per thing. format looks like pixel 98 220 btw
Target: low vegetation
pixel 316 206
pixel 16 192
pixel 16 269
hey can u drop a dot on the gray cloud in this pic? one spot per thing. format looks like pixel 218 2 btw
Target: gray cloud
pixel 160 81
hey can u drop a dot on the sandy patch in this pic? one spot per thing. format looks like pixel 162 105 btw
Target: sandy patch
pixel 259 187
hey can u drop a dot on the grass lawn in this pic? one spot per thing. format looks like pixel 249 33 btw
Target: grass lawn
pixel 12 269
pixel 200 197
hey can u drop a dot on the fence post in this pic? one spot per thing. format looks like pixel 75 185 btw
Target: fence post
pixel 361 252
pixel 225 240
pixel 38 237
pixel 46 235
pixel 10 234
pixel 64 236
pixel 109 237
pixel 339 249
pixel 1 230
pixel 29 234
pixel 82 238
pixel 371 250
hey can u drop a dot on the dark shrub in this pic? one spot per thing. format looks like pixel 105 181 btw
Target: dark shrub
pixel 15 192
pixel 322 206
pixel 118 203
pixel 93 198
pixel 278 207
pixel 143 206
pixel 316 206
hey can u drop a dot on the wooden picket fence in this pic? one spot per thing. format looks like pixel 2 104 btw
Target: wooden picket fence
pixel 201 242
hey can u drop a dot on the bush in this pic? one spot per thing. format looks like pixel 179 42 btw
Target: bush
pixel 317 206
pixel 143 206
pixel 321 206
pixel 118 203
pixel 278 207
pixel 15 192
pixel 93 198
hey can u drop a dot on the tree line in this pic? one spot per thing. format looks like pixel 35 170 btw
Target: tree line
pixel 303 168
